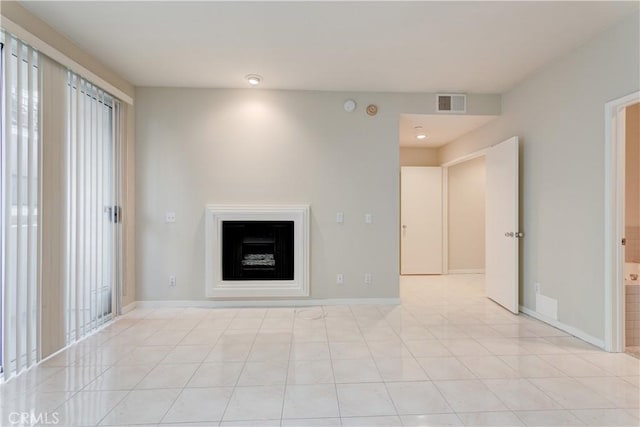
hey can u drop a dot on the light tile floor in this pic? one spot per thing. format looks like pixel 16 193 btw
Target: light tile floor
pixel 445 356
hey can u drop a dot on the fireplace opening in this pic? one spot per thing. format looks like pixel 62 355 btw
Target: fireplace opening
pixel 257 250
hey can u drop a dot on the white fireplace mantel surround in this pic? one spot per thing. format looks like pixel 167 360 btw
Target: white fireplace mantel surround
pixel 216 287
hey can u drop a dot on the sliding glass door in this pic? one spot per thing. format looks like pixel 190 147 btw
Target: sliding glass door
pixel 59 206
pixel 93 212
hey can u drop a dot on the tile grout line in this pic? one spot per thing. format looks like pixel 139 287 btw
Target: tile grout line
pixel 384 384
pixel 134 387
pixel 428 377
pixel 333 374
pixel 286 375
pixel 190 377
pixel 75 393
pixel 244 365
pixel 143 378
pixel 127 391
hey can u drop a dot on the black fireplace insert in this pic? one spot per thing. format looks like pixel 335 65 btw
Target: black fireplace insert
pixel 257 250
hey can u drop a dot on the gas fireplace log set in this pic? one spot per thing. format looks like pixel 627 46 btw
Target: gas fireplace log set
pixel 257 250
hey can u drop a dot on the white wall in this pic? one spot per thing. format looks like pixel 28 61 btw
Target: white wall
pixel 419 156
pixel 199 146
pixel 559 115
pixel 466 199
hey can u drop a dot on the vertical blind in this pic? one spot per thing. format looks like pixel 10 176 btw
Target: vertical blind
pixel 92 210
pixel 20 195
pixel 59 210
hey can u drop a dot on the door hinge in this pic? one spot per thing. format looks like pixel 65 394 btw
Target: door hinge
pixel 516 234
pixel 624 241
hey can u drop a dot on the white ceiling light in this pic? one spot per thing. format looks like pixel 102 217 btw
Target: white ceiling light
pixel 253 79
pixel 420 133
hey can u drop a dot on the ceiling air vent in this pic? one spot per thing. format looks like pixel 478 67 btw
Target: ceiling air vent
pixel 451 103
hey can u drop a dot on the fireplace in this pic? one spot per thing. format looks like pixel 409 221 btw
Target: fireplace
pixel 254 251
pixel 257 250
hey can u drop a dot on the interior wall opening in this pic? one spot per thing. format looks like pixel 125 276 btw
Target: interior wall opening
pixel 631 293
pixel 442 206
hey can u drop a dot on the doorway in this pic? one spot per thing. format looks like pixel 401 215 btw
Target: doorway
pixel 622 224
pixel 632 230
pixel 443 218
pixel 423 227
pixel 465 193
pixel 444 227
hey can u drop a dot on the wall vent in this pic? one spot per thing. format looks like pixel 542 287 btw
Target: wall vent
pixel 451 103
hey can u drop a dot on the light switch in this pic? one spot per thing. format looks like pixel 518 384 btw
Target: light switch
pixel 340 217
pixel 170 217
pixel 340 279
pixel 368 218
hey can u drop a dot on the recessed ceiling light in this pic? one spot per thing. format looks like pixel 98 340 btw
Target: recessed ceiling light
pixel 419 132
pixel 253 79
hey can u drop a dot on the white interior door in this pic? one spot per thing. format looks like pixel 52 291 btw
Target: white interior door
pixel 502 231
pixel 421 220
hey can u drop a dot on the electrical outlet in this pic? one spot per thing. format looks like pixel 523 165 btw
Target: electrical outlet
pixel 172 281
pixel 367 278
pixel 537 287
pixel 340 217
pixel 170 217
pixel 368 218
pixel 340 279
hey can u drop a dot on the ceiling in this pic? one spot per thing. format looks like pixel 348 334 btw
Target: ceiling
pixel 439 128
pixel 480 47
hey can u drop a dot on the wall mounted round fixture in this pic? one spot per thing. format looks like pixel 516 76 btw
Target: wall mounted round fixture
pixel 372 109
pixel 419 133
pixel 253 79
pixel 350 105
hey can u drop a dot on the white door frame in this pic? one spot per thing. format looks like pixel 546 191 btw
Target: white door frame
pixel 445 202
pixel 614 158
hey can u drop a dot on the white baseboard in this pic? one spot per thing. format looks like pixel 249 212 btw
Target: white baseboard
pixel 266 303
pixel 127 308
pixel 568 329
pixel 467 271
